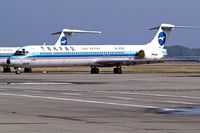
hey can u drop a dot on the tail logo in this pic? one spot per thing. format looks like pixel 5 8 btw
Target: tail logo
pixel 162 38
pixel 63 40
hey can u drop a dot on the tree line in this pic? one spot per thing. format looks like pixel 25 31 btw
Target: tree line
pixel 177 50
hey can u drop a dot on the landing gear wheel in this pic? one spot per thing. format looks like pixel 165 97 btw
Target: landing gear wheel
pixel 17 72
pixel 94 70
pixel 117 70
pixel 6 70
pixel 27 70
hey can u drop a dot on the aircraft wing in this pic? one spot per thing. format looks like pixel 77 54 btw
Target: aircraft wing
pixel 111 62
pixel 114 62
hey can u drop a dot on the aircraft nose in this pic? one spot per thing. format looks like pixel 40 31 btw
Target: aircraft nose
pixel 8 61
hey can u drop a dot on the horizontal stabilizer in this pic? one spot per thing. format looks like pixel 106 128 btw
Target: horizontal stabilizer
pixel 170 27
pixel 70 31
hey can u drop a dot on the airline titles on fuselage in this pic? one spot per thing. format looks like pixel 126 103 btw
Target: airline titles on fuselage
pixel 6 50
pixel 71 49
pixel 57 48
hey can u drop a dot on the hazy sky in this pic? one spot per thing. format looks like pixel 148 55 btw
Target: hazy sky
pixel 25 22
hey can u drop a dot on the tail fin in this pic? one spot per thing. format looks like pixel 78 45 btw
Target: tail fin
pixel 161 36
pixel 62 40
pixel 163 33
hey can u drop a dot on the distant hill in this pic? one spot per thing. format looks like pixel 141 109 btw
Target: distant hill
pixel 174 51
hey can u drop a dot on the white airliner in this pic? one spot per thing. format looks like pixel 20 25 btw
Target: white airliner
pixel 6 52
pixel 94 55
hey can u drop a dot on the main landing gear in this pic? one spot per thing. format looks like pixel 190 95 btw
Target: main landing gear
pixel 6 69
pixel 94 70
pixel 26 70
pixel 116 70
pixel 18 70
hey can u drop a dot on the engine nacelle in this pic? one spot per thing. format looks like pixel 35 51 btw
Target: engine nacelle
pixel 151 54
pixel 141 54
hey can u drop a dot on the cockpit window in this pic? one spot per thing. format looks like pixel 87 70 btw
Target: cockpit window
pixel 21 52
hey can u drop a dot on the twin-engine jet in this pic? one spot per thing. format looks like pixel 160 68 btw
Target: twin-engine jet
pixel 94 56
pixel 6 52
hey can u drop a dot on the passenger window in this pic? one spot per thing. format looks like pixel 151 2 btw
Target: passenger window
pixel 49 48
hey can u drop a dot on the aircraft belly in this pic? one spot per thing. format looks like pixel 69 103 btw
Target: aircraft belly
pixel 61 62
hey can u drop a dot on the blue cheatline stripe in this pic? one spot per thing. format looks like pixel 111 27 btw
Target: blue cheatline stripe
pixel 82 54
pixel 76 54
pixel 6 55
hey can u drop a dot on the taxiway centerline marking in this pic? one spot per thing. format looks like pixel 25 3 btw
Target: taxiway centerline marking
pixel 174 102
pixel 37 83
pixel 125 98
pixel 84 101
pixel 73 94
pixel 150 94
pixel 178 102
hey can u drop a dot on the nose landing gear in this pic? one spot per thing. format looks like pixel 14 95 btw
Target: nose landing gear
pixel 6 69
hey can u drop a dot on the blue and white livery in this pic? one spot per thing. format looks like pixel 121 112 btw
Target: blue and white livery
pixel 6 52
pixel 63 40
pixel 94 55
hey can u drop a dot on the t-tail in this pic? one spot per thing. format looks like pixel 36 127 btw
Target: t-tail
pixel 155 49
pixel 65 33
pixel 163 33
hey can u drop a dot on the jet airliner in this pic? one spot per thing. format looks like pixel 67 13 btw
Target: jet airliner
pixel 6 52
pixel 94 56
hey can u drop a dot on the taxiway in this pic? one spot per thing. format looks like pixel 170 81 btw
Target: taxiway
pixel 82 103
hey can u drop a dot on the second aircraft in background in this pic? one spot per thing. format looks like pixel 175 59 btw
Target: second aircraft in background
pixel 6 52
